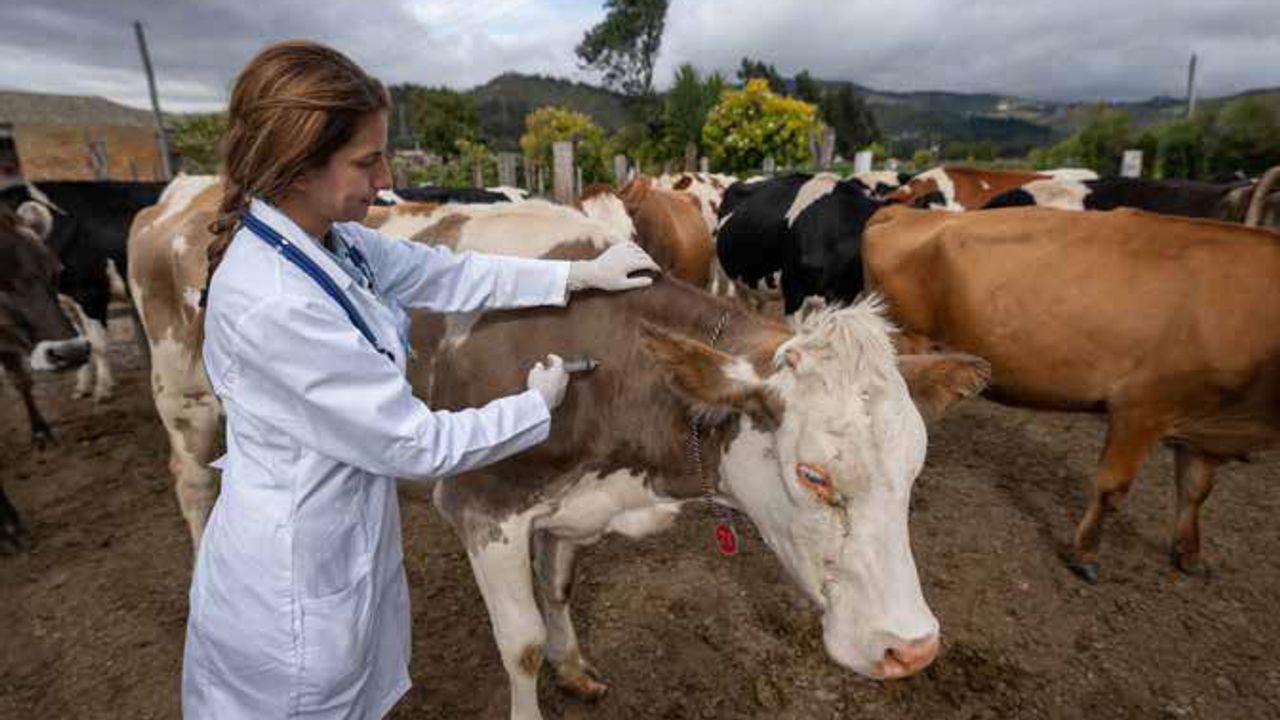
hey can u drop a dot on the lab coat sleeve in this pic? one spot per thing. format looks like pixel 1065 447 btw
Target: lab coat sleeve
pixel 436 278
pixel 302 367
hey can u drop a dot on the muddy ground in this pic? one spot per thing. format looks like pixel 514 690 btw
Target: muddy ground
pixel 92 618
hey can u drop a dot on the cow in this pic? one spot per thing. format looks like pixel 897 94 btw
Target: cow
pixel 90 226
pixel 707 188
pixel 668 225
pixel 1162 323
pixel 34 331
pixel 440 194
pixel 1189 198
pixel 879 183
pixel 807 228
pixel 961 188
pixel 813 432
pixel 34 335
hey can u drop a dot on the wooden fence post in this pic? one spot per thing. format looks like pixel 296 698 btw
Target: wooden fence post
pixel 562 175
pixel 507 169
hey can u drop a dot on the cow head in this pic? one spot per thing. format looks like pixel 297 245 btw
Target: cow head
pixel 31 320
pixel 828 448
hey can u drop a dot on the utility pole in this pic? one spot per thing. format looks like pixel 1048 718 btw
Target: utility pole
pixel 1191 86
pixel 155 101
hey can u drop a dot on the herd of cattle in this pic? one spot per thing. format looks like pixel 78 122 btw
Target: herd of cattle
pixel 803 326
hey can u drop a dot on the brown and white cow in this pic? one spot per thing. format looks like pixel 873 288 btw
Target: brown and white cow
pixel 167 276
pixel 961 188
pixel 668 225
pixel 1164 323
pixel 706 188
pixel 810 430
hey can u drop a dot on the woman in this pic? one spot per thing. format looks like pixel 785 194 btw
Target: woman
pixel 299 606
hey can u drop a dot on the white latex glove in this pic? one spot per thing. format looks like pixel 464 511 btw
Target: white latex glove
pixel 609 269
pixel 550 380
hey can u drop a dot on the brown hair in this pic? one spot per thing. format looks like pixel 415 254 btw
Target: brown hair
pixel 293 106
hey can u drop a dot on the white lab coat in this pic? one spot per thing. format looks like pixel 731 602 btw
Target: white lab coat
pixel 299 606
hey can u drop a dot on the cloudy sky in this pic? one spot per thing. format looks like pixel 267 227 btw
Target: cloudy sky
pixel 1047 49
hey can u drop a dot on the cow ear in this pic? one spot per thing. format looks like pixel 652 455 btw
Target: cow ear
pixel 712 384
pixel 939 381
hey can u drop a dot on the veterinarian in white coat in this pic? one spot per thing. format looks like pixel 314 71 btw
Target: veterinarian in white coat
pixel 299 606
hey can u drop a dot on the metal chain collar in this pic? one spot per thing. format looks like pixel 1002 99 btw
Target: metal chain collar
pixel 695 452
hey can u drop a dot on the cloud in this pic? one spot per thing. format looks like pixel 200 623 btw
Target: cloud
pixel 1082 49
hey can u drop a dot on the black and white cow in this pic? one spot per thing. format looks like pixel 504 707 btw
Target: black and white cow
pixel 441 194
pixel 1227 201
pixel 89 233
pixel 805 229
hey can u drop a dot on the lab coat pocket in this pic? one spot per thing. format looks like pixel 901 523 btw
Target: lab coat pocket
pixel 336 648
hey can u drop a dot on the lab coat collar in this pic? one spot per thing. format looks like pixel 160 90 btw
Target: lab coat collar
pixel 282 224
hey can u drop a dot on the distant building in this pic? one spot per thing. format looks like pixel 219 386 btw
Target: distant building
pixel 68 137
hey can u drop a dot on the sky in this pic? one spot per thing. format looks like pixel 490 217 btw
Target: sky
pixel 1042 49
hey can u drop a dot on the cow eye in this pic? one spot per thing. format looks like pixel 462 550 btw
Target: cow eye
pixel 818 481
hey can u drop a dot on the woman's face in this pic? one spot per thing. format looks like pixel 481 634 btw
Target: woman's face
pixel 345 188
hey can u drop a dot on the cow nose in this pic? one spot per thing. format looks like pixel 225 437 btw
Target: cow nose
pixel 908 659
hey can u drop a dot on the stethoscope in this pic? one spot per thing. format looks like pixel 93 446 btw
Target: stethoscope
pixel 270 236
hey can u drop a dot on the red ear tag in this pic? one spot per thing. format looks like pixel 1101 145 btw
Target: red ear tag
pixel 726 538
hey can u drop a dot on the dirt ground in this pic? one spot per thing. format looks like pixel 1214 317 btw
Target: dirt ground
pixel 92 618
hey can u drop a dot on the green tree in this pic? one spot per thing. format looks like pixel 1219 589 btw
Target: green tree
pixel 1245 137
pixel 1104 140
pixel 748 125
pixel 752 69
pixel 687 105
pixel 806 88
pixel 1181 149
pixel 624 46
pixel 195 140
pixel 850 116
pixel 440 117
pixel 548 125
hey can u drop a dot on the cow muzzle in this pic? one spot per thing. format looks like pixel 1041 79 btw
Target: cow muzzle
pixel 59 355
pixel 908 659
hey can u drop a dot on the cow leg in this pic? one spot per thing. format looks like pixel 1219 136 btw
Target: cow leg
pixel 13 534
pixel 504 573
pixel 1129 442
pixel 98 367
pixel 41 433
pixel 1195 478
pixel 191 416
pixel 553 560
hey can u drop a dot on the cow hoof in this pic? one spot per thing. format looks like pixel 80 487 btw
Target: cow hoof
pixel 78 394
pixel 43 439
pixel 1190 564
pixel 1085 570
pixel 582 682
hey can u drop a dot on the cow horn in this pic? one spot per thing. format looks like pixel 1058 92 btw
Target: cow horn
pixel 1253 218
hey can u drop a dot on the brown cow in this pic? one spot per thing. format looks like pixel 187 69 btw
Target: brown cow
pixel 668 225
pixel 1086 311
pixel 35 334
pixel 960 188
pixel 167 274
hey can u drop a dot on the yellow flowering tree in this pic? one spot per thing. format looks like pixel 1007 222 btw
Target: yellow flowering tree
pixel 753 123
pixel 548 125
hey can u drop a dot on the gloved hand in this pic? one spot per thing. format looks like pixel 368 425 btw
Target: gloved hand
pixel 609 269
pixel 550 380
